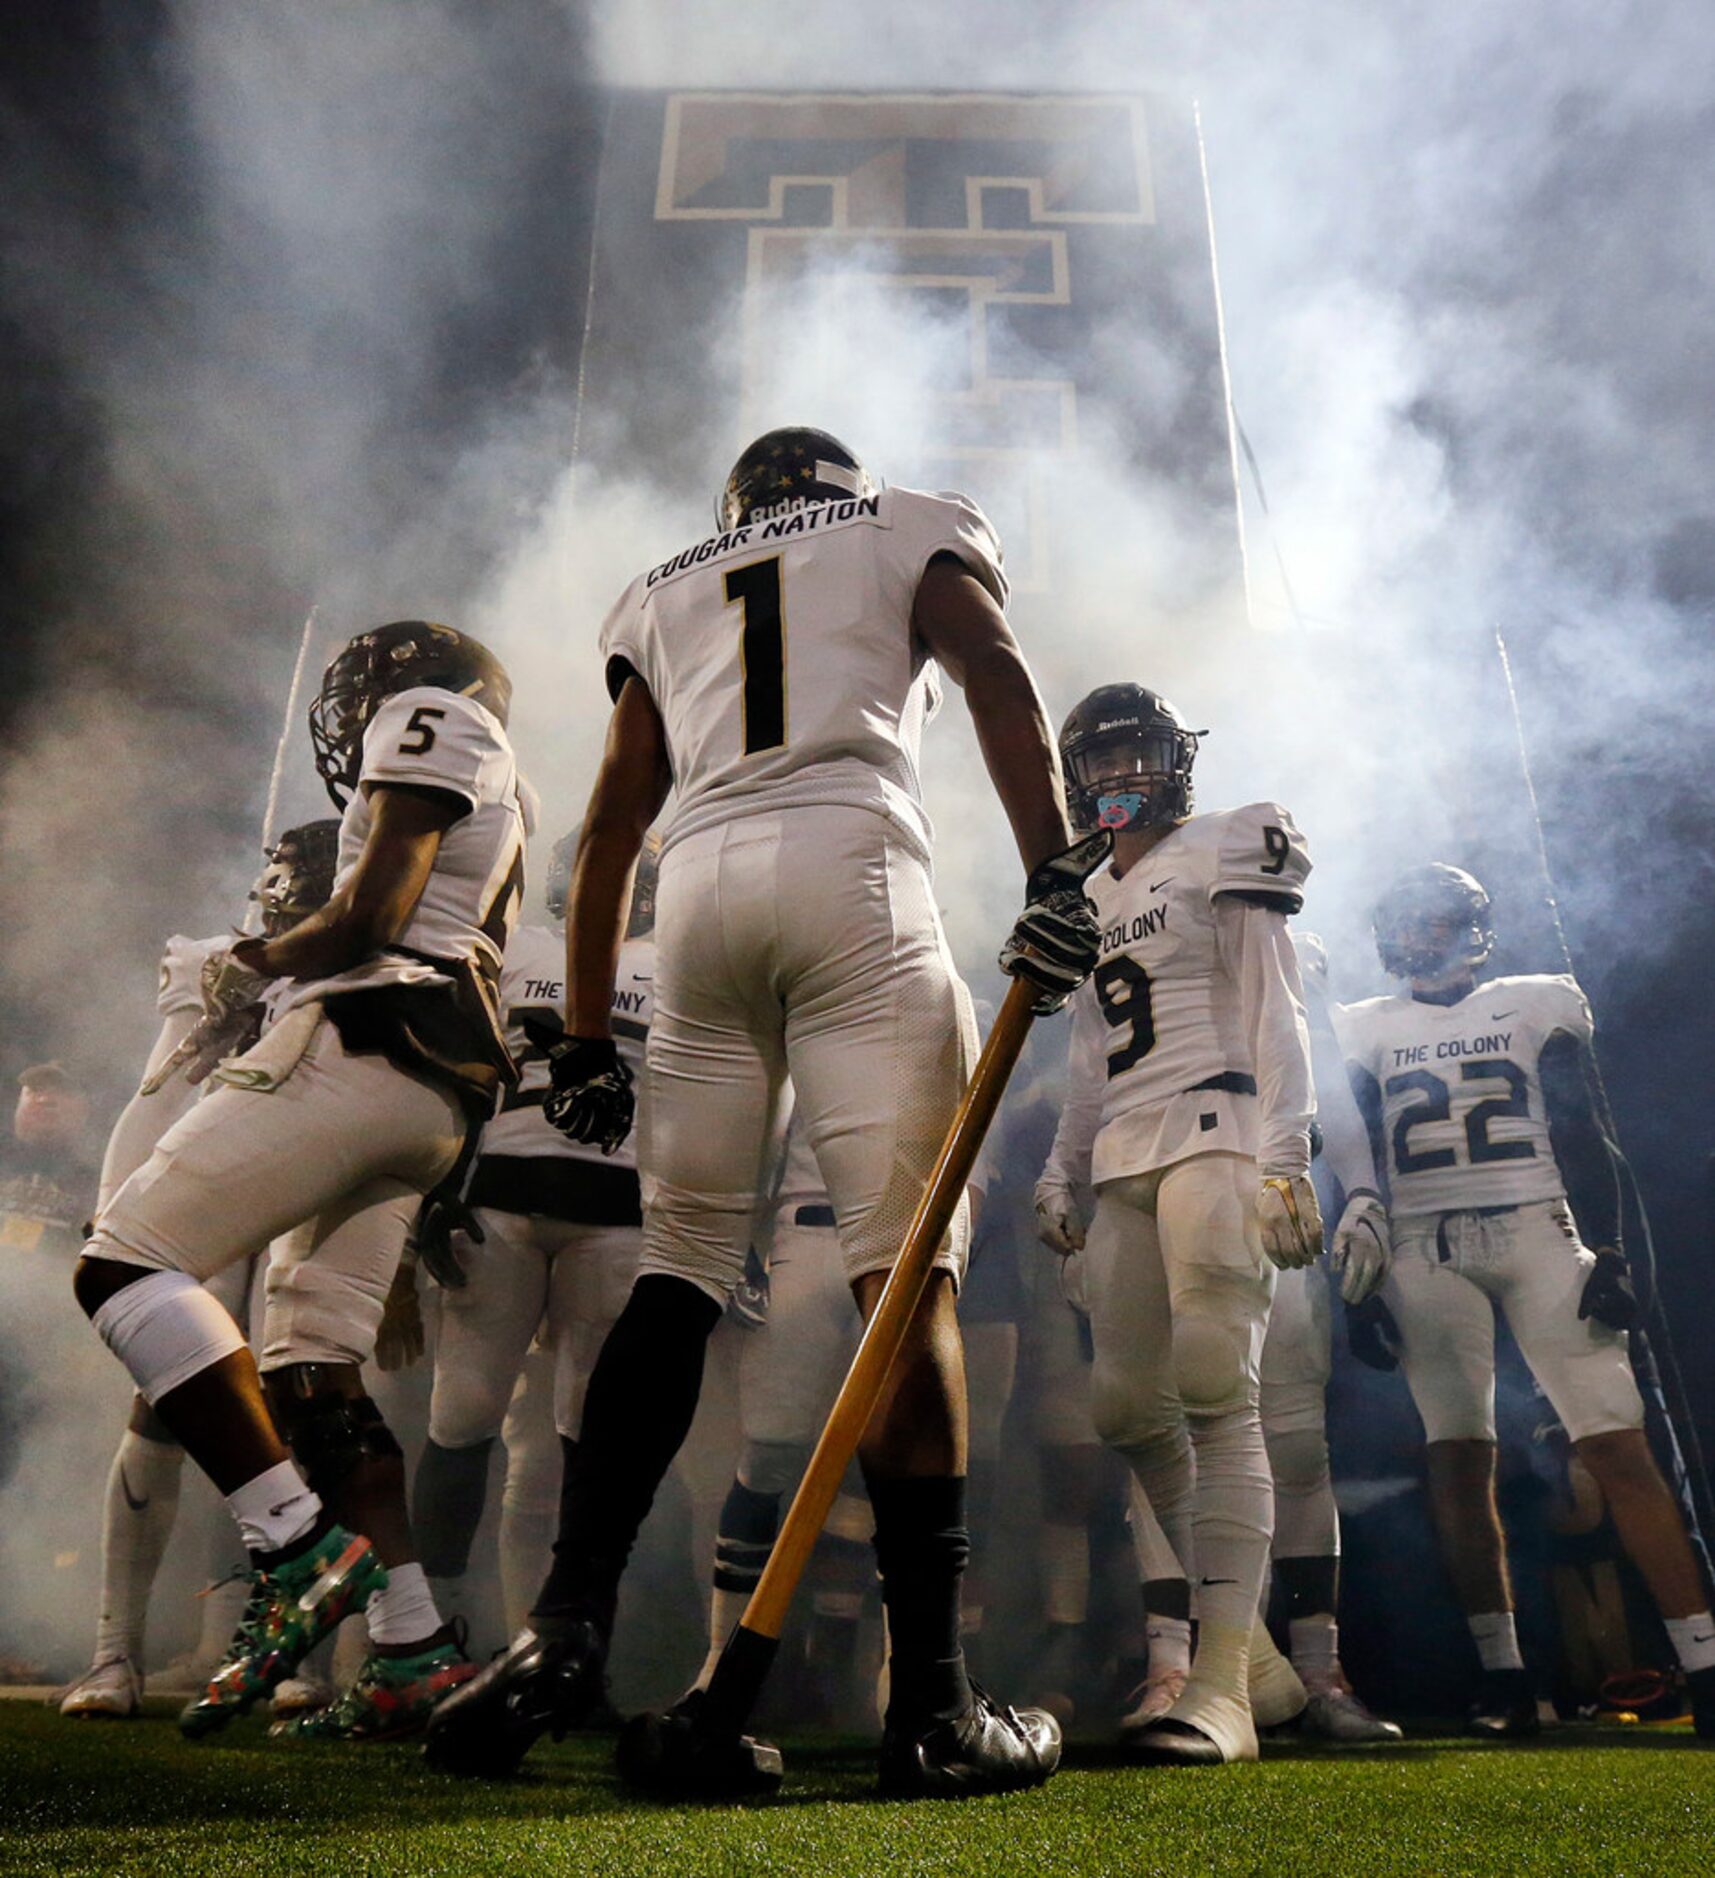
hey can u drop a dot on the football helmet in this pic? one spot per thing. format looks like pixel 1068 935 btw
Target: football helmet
pixel 788 469
pixel 557 886
pixel 1127 754
pixel 1431 920
pixel 388 659
pixel 557 889
pixel 299 876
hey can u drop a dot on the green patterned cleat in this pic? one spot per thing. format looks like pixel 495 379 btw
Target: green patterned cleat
pixel 392 1696
pixel 291 1609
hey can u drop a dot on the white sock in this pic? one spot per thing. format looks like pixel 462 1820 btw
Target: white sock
pixel 1693 1640
pixel 1315 1646
pixel 1495 1634
pixel 526 1541
pixel 1169 1641
pixel 404 1611
pixel 1235 1519
pixel 137 1521
pixel 1064 1552
pixel 274 1509
pixel 1163 1504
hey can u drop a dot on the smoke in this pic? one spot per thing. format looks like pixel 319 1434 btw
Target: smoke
pixel 301 306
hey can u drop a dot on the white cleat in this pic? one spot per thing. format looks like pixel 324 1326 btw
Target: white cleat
pixel 1337 1715
pixel 300 1695
pixel 1276 1694
pixel 107 1691
pixel 1156 1694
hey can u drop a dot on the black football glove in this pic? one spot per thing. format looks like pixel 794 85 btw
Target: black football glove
pixel 1608 1295
pixel 1057 939
pixel 1372 1335
pixel 442 1220
pixel 592 1098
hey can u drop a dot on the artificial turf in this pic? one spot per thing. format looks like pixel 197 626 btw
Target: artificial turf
pixel 133 1797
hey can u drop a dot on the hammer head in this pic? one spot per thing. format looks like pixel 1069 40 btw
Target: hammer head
pixel 679 1756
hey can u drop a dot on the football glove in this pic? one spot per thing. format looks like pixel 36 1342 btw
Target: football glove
pixel 1290 1219
pixel 400 1342
pixel 229 987
pixel 592 1098
pixel 1059 1223
pixel 1608 1295
pixel 441 1238
pixel 1372 1335
pixel 1362 1245
pixel 1057 940
pixel 748 1305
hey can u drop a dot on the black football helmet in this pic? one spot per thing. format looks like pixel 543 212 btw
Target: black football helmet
pixel 388 659
pixel 1431 920
pixel 787 469
pixel 557 889
pixel 299 876
pixel 557 884
pixel 1127 754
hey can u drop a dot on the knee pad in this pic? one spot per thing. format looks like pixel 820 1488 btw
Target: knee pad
pixel 1298 1461
pixel 331 1434
pixel 1128 1414
pixel 771 1466
pixel 1208 1364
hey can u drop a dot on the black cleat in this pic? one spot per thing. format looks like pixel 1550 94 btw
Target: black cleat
pixel 485 1729
pixel 1700 1686
pixel 679 1755
pixel 988 1749
pixel 1505 1708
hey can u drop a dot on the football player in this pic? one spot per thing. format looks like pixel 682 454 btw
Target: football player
pixel 1504 1192
pixel 385 1046
pixel 777 676
pixel 1188 1109
pixel 143 1484
pixel 555 1243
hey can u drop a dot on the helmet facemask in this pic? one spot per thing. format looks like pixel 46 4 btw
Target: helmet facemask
pixel 1434 925
pixel 1130 776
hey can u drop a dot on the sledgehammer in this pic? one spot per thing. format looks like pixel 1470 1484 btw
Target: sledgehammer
pixel 699 1750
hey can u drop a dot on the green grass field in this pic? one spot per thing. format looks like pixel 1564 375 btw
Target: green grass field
pixel 90 1797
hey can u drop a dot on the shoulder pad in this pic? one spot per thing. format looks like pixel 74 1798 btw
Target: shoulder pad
pixel 436 739
pixel 1260 854
pixel 949 523
pixel 1555 1001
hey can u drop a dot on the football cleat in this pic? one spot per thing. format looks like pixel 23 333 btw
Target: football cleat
pixel 392 1696
pixel 111 1690
pixel 1336 1714
pixel 987 1749
pixel 1505 1708
pixel 485 1728
pixel 291 1608
pixel 1151 1699
pixel 300 1695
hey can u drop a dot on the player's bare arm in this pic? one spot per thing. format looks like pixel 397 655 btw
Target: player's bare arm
pixel 371 909
pixel 961 623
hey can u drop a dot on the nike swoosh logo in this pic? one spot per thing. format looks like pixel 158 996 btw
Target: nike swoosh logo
pixel 1708 1639
pixel 642 978
pixel 1496 1016
pixel 135 1504
pixel 1217 1581
pixel 274 1512
pixel 1155 887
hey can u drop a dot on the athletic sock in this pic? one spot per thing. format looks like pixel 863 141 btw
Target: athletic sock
pixel 447 1498
pixel 137 1522
pixel 403 1611
pixel 1064 1552
pixel 638 1409
pixel 1495 1634
pixel 1693 1640
pixel 1235 1520
pixel 1169 1644
pixel 922 1546
pixel 749 1522
pixel 1315 1646
pixel 274 1510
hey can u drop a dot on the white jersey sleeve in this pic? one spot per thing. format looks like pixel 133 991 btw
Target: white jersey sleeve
pixel 1257 951
pixel 1081 1113
pixel 181 972
pixel 1558 1004
pixel 436 739
pixel 1261 856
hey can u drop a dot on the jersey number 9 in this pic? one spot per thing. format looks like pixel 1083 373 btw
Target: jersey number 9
pixel 1122 990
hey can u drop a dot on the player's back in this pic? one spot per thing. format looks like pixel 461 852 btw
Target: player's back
pixel 781 658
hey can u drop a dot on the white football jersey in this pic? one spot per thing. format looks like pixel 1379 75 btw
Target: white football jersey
pixel 181 971
pixel 1162 1063
pixel 533 984
pixel 1463 1119
pixel 781 657
pixel 437 739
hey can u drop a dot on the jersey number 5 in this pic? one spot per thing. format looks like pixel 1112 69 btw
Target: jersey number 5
pixel 762 653
pixel 1122 990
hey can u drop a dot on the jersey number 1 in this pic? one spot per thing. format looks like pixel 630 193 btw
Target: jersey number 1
pixel 762 653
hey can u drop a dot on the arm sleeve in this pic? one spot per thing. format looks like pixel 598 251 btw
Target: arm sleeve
pixel 427 738
pixel 1367 1099
pixel 1081 1113
pixel 1348 1149
pixel 1257 950
pixel 1584 1151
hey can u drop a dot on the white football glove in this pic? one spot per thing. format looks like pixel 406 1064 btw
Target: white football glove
pixel 228 987
pixel 1290 1219
pixel 1059 1223
pixel 1362 1245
